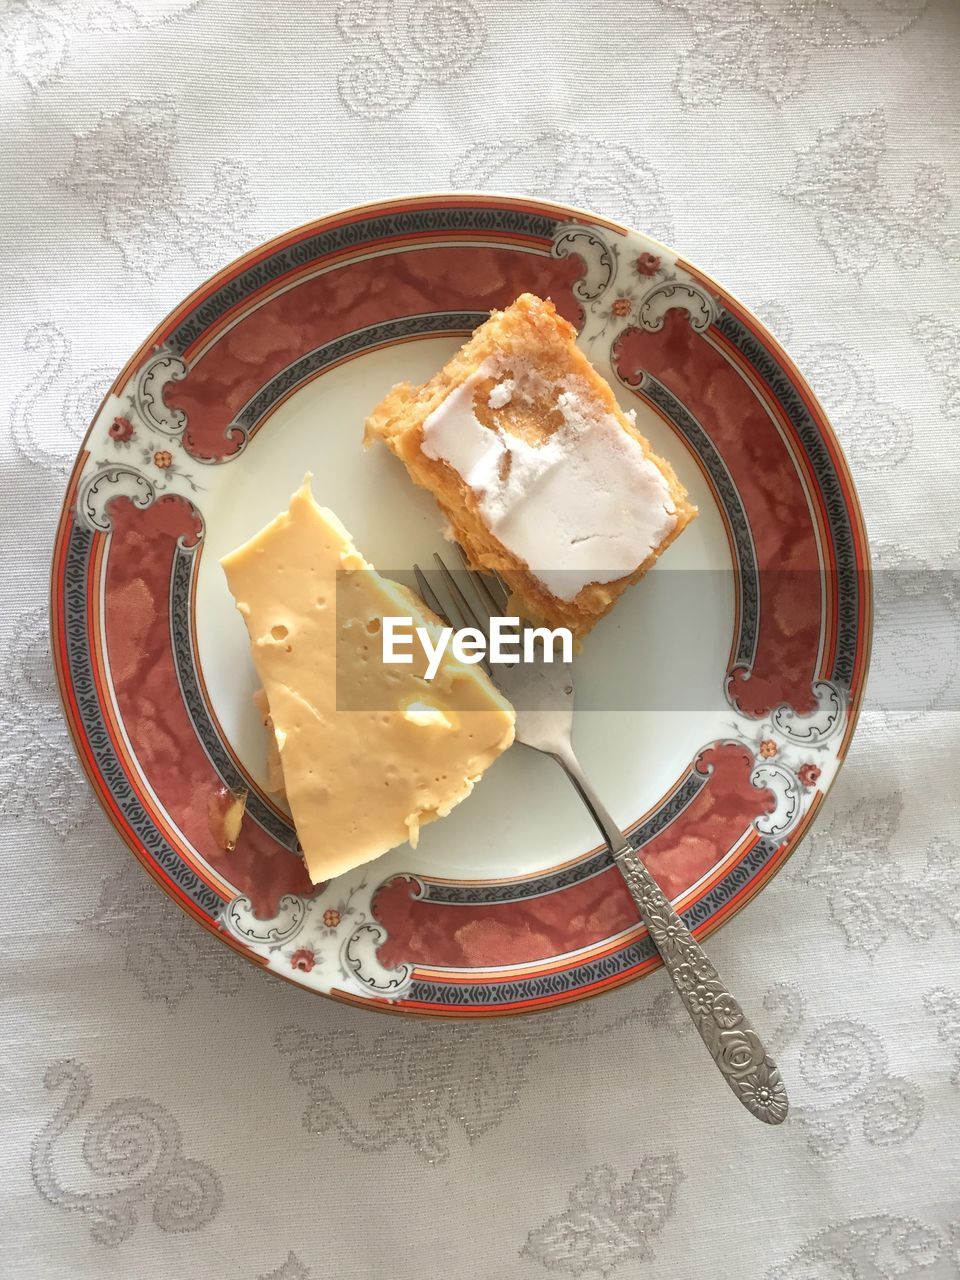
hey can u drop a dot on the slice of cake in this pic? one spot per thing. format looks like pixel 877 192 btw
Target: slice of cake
pixel 541 475
pixel 368 752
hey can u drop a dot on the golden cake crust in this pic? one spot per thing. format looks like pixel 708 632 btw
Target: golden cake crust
pixel 530 334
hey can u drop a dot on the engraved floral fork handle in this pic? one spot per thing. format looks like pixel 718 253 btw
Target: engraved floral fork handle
pixel 734 1046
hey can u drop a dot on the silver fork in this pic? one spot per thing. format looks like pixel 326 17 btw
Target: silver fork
pixel 542 694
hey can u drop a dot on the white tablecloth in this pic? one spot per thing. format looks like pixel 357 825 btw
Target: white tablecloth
pixel 169 1111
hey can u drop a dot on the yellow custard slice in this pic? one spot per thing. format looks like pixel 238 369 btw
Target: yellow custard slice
pixel 369 752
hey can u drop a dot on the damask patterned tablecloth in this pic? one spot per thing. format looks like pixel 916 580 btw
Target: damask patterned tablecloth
pixel 168 1110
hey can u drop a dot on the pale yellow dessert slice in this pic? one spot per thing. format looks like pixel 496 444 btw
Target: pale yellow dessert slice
pixel 369 751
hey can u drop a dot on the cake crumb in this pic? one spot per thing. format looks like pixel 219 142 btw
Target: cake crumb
pixel 501 394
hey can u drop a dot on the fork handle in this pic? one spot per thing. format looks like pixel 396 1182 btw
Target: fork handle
pixel 735 1047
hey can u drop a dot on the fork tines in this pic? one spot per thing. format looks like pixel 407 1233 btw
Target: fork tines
pixel 459 611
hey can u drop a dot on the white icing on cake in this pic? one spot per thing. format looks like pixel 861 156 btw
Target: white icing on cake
pixel 585 506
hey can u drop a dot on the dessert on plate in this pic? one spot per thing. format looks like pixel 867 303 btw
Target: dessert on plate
pixel 542 476
pixel 366 753
pixel 545 480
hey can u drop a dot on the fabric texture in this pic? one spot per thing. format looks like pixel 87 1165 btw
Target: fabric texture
pixel 168 1110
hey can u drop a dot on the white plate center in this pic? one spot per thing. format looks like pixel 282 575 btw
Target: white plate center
pixel 656 663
